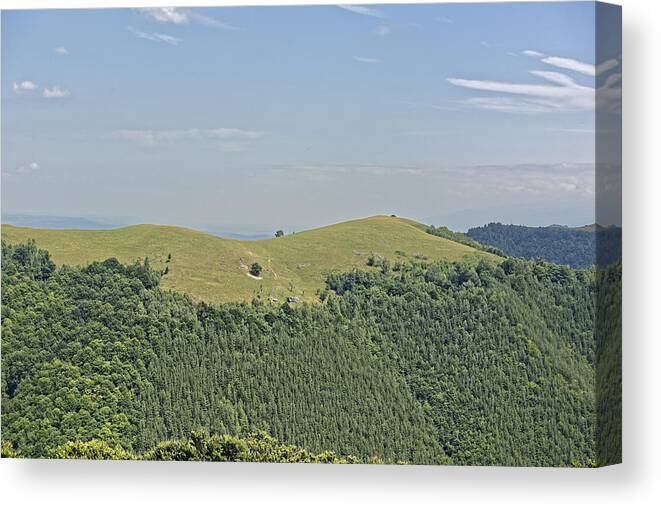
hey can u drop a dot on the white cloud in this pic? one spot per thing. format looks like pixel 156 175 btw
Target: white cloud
pixel 155 37
pixel 531 180
pixel 61 51
pixel 587 69
pixel 445 19
pixel 167 14
pixel 25 86
pixel 362 10
pixel 508 105
pixel 56 92
pixel 232 133
pixel 581 67
pixel 169 39
pixel 209 21
pixel 179 16
pixel 555 77
pixel 571 64
pixel 564 94
pixel 27 169
pixel 383 30
pixel 365 59
pixel 426 105
pixel 228 139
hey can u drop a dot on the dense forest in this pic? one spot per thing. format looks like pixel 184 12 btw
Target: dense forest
pixel 257 447
pixel 576 247
pixel 464 363
pixel 464 239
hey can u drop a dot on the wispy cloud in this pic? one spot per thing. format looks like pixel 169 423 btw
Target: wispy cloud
pixel 445 19
pixel 560 93
pixel 179 16
pixel 421 133
pixel 382 30
pixel 584 68
pixel 212 22
pixel 554 77
pixel 438 107
pixel 366 59
pixel 61 51
pixel 56 92
pixel 535 180
pixel 227 139
pixel 29 168
pixel 155 37
pixel 362 10
pixel 528 181
pixel 564 94
pixel 327 173
pixel 25 86
pixel 507 105
pixel 587 69
pixel 20 171
pixel 569 130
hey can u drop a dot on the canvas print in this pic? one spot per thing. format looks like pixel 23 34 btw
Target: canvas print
pixel 351 234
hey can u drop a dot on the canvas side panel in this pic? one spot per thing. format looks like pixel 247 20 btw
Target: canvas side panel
pixel 608 213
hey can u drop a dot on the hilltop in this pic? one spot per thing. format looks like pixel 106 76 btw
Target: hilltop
pixel 214 269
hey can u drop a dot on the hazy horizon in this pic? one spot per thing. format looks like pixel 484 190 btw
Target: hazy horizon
pixel 236 231
pixel 450 114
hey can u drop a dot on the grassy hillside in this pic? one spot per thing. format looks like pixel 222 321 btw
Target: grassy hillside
pixel 214 269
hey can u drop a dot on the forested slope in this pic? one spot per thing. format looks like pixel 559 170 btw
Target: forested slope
pixel 468 363
pixel 573 246
pixel 102 353
pixel 501 356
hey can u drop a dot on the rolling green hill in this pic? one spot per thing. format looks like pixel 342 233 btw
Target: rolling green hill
pixel 215 270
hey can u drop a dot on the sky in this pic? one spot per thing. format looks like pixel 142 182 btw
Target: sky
pixel 253 119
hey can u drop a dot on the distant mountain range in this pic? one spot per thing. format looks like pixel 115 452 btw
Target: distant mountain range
pixel 83 223
pixel 58 222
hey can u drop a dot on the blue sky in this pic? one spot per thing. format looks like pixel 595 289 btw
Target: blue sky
pixel 292 117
